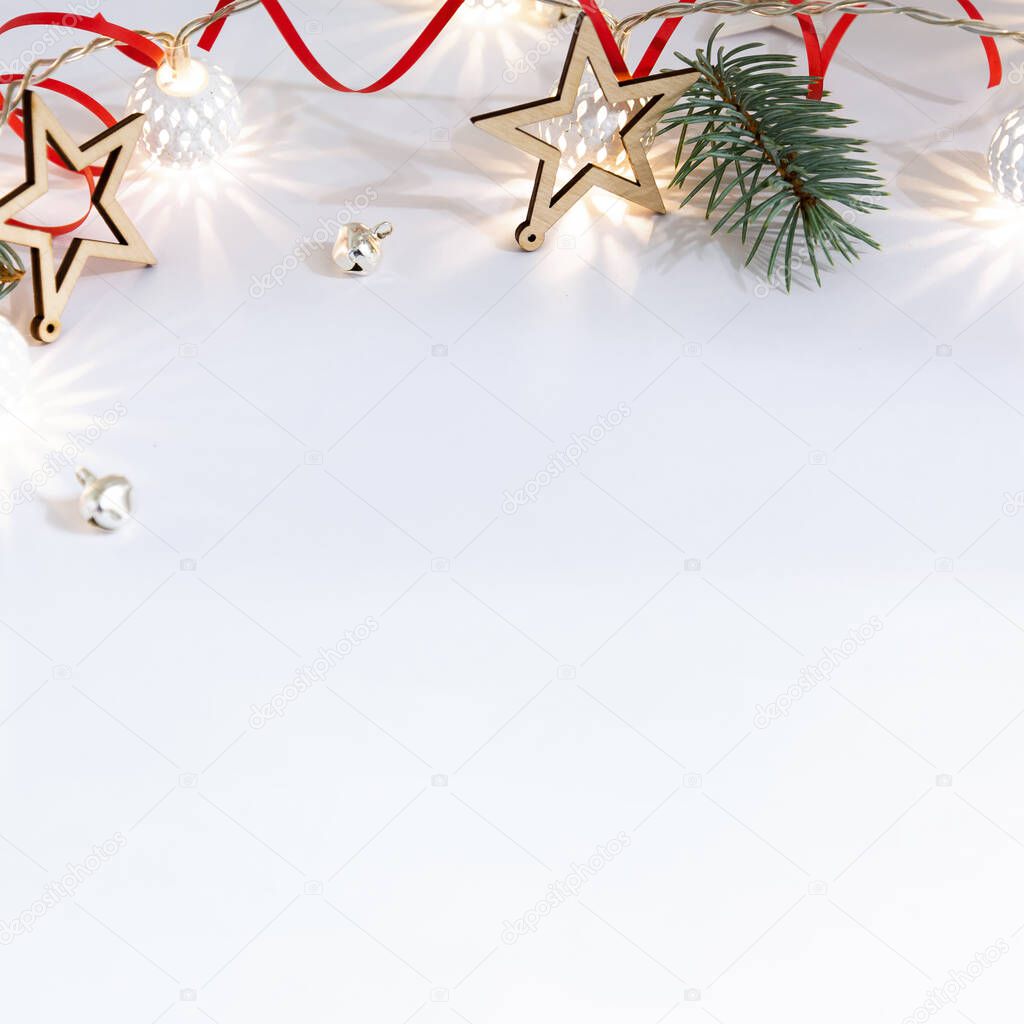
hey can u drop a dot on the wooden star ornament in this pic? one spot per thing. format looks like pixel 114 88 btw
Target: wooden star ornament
pixel 53 285
pixel 651 97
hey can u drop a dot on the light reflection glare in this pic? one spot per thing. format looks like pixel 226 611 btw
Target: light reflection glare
pixel 38 432
pixel 169 202
pixel 968 232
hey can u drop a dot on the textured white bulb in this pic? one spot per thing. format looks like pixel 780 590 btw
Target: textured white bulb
pixel 15 365
pixel 590 134
pixel 1006 157
pixel 193 114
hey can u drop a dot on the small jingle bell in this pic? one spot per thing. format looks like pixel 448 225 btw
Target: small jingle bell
pixel 357 250
pixel 106 501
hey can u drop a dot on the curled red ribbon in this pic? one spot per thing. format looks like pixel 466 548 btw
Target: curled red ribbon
pixel 291 36
pixel 408 60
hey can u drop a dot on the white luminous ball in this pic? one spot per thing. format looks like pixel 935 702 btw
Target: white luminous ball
pixel 193 114
pixel 590 134
pixel 15 365
pixel 1006 157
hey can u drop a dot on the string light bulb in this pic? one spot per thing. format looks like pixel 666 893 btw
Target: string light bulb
pixel 193 111
pixel 590 134
pixel 1006 157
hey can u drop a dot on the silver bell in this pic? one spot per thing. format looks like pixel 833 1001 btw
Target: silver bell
pixel 357 250
pixel 106 501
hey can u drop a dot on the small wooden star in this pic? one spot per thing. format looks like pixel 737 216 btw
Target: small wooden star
pixel 53 287
pixel 653 94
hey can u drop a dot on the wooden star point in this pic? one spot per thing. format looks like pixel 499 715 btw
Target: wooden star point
pixel 653 94
pixel 52 284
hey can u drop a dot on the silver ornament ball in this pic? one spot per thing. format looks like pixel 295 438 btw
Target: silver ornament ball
pixel 1006 157
pixel 106 501
pixel 357 249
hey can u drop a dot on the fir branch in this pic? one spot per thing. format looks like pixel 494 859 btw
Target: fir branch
pixel 768 152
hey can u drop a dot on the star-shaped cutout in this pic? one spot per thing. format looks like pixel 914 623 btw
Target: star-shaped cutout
pixel 53 285
pixel 651 97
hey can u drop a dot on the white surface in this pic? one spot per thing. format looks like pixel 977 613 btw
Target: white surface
pixel 592 664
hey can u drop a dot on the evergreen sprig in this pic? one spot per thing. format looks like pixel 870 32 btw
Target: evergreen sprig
pixel 770 157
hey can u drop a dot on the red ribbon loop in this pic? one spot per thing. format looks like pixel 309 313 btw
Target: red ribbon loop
pixel 291 36
pixel 419 47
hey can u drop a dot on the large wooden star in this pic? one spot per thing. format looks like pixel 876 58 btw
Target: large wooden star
pixel 653 95
pixel 52 286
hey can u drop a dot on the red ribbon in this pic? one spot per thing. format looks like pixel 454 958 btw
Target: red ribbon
pixel 604 33
pixel 825 53
pixel 657 45
pixel 291 36
pixel 420 45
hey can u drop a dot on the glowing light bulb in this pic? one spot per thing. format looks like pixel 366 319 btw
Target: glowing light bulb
pixel 193 112
pixel 590 134
pixel 1006 157
pixel 15 365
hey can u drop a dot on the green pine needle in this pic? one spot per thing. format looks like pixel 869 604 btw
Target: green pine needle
pixel 774 167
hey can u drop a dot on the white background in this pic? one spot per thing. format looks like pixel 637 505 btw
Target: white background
pixel 538 682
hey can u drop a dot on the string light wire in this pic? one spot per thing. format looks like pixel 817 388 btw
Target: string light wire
pixel 779 8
